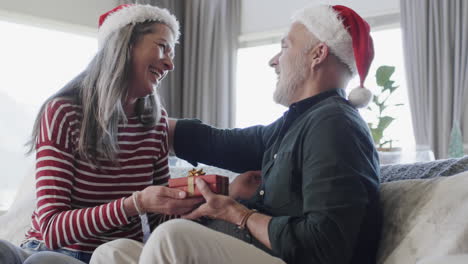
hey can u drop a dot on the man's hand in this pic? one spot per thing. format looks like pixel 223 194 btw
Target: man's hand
pixel 164 200
pixel 245 185
pixel 217 206
pixel 225 208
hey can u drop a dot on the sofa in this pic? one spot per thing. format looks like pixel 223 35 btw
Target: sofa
pixel 425 211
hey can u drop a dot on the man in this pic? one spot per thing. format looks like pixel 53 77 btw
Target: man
pixel 317 201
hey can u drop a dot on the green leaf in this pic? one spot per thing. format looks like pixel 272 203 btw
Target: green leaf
pixel 382 108
pixel 393 88
pixel 383 74
pixel 376 135
pixel 388 86
pixel 375 100
pixel 384 122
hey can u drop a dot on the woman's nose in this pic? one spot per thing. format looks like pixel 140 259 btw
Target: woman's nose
pixel 169 64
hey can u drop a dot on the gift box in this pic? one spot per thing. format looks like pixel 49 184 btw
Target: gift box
pixel 217 183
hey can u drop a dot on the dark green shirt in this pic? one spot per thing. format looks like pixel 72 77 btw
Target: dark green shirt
pixel 320 175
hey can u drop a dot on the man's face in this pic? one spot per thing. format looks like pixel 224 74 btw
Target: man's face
pixel 291 64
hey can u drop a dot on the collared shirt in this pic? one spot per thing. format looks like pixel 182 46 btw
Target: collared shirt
pixel 320 177
pixel 298 108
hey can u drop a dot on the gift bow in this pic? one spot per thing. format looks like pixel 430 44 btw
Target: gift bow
pixel 195 172
pixel 191 179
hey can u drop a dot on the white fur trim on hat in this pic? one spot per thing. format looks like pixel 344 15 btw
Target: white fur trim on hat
pixel 360 97
pixel 324 22
pixel 136 14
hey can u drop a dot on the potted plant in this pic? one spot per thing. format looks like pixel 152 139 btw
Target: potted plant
pixel 381 108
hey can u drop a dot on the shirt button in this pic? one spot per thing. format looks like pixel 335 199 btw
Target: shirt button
pixel 274 156
pixel 262 192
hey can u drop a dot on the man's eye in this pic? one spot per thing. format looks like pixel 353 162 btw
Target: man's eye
pixel 163 47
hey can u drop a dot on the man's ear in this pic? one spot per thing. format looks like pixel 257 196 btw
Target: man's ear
pixel 319 53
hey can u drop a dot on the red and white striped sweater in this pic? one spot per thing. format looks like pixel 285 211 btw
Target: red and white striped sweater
pixel 79 206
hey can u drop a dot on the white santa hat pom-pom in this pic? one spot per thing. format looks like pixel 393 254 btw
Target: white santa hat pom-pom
pixel 360 97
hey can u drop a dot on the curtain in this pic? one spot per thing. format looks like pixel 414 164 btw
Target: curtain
pixel 202 84
pixel 435 41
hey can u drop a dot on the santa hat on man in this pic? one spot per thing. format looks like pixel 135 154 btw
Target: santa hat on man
pixel 348 37
pixel 125 14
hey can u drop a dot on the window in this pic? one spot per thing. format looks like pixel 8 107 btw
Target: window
pixel 256 83
pixel 36 62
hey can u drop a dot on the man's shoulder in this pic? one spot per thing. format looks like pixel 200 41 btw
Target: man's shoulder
pixel 333 117
pixel 333 109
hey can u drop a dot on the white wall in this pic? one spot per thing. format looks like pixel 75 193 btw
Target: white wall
pixel 258 16
pixel 261 16
pixel 72 15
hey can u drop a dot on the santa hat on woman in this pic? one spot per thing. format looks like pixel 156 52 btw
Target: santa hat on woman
pixel 123 15
pixel 348 37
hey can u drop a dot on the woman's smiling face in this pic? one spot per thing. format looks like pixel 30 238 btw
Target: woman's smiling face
pixel 151 60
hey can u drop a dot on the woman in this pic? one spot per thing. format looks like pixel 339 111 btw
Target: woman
pixel 100 141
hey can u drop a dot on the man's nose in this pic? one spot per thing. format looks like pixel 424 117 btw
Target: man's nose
pixel 274 61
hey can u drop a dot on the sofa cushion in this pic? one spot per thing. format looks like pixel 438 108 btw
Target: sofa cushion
pixel 16 221
pixel 424 218
pixel 452 259
pixel 423 170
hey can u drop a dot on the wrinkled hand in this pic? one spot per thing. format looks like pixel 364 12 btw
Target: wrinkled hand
pixel 217 206
pixel 245 185
pixel 164 200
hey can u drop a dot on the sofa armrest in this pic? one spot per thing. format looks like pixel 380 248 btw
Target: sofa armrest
pixel 424 218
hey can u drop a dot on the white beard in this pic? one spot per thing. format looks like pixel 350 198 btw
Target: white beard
pixel 291 77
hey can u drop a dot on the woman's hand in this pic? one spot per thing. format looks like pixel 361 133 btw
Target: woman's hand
pixel 217 206
pixel 245 185
pixel 164 200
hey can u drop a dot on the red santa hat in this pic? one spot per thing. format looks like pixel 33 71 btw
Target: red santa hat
pixel 348 37
pixel 123 15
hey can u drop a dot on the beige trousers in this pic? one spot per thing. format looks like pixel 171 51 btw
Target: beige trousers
pixel 182 241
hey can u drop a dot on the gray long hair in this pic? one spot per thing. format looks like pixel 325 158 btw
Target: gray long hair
pixel 101 90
